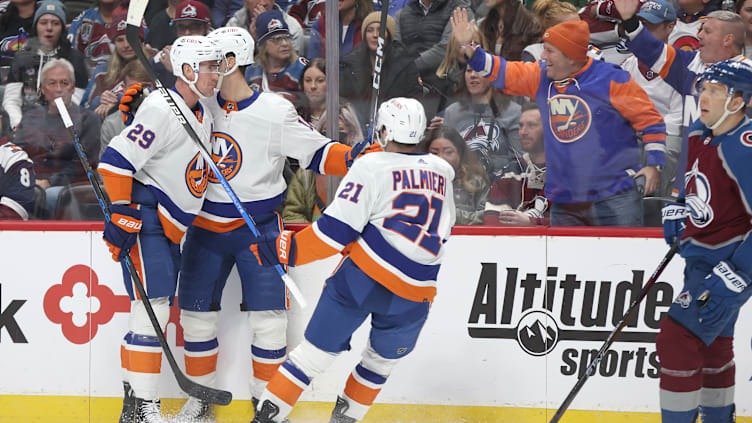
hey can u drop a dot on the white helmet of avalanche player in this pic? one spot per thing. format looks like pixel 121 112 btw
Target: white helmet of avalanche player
pixel 402 119
pixel 737 78
pixel 192 50
pixel 235 41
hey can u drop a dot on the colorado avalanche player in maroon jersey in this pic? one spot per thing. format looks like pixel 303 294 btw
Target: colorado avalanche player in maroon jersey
pixel 695 343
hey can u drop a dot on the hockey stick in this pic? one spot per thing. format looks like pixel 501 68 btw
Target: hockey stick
pixel 135 14
pixel 376 83
pixel 205 393
pixel 612 336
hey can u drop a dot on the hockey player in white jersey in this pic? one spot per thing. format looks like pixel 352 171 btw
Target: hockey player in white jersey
pixel 253 134
pixel 396 210
pixel 156 179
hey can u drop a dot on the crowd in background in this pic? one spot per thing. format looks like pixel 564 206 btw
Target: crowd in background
pixel 493 139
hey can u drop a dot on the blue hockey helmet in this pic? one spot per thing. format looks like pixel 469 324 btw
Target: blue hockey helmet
pixel 735 75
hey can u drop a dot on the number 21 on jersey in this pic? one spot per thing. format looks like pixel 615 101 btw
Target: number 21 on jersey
pixel 413 227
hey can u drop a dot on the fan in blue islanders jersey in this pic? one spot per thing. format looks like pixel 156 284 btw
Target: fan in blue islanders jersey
pixel 695 343
pixel 156 179
pixel 396 209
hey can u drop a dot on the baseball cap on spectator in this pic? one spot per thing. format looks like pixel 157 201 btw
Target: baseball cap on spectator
pixel 119 23
pixel 50 7
pixel 192 10
pixel 572 38
pixel 657 11
pixel 270 23
pixel 372 17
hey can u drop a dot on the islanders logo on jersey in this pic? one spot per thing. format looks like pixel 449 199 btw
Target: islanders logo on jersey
pixel 698 193
pixel 226 154
pixel 569 117
pixel 197 176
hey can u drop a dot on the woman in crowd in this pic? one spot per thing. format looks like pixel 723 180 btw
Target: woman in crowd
pixel 744 9
pixel 277 66
pixel 16 19
pixel 351 15
pixel 548 13
pixel 508 28
pixel 306 194
pixel 399 75
pixel 470 181
pixel 48 42
pixel 314 88
pixel 106 82
pixel 452 70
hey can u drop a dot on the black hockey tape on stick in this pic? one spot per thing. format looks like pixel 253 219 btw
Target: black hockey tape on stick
pixel 135 14
pixel 612 336
pixel 205 393
pixel 376 82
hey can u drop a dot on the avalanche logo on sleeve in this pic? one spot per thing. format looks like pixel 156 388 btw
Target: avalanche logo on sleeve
pixel 746 139
pixel 697 188
pixel 569 117
pixel 197 176
pixel 226 154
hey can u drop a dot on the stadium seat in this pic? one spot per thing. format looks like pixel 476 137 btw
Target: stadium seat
pixel 78 202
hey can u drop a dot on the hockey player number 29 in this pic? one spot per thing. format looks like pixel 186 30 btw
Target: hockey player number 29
pixel 143 138
pixel 411 227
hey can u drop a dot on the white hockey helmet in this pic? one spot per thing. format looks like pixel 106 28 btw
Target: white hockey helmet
pixel 234 40
pixel 403 119
pixel 192 50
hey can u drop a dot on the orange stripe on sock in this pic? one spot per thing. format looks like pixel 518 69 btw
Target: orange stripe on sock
pixel 200 366
pixel 360 393
pixel 124 357
pixel 264 371
pixel 284 389
pixel 144 362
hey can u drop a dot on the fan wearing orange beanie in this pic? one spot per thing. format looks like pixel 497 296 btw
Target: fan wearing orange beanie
pixel 591 113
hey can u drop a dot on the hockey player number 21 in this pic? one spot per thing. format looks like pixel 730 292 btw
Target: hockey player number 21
pixel 411 227
pixel 143 138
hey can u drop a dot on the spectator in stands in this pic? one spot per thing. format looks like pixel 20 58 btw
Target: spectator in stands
pixel 278 67
pixel 518 199
pixel 222 11
pixel 470 180
pixel 106 83
pixel 423 27
pixel 488 121
pixel 399 75
pixel 246 18
pixel 548 13
pixel 451 73
pixel 306 193
pixel 16 182
pixel 744 9
pixel 306 12
pixel 314 88
pixel 508 28
pixel 659 18
pixel 16 20
pixel 162 31
pixel 351 15
pixel 602 19
pixel 691 15
pixel 592 112
pixel 191 18
pixel 113 124
pixel 48 42
pixel 44 137
pixel 88 32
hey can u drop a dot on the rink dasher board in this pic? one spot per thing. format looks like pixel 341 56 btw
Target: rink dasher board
pixel 481 346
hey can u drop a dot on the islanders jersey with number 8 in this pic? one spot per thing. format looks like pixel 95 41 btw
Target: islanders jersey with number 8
pixel 398 211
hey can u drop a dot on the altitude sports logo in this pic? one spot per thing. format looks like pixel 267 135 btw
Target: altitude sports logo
pixel 541 313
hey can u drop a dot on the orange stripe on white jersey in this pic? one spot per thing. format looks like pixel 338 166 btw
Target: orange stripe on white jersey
pixel 200 365
pixel 172 228
pixel 388 278
pixel 118 186
pixel 144 362
pixel 285 387
pixel 309 246
pixel 335 160
pixel 663 65
pixel 218 227
pixel 359 392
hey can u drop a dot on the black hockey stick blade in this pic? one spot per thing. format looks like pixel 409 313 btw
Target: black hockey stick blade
pixel 612 336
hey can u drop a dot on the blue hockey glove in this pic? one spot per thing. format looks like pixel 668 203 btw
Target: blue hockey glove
pixel 121 230
pixel 363 147
pixel 273 249
pixel 674 219
pixel 724 294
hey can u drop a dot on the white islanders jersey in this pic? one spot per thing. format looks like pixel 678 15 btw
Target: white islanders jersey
pixel 157 151
pixel 399 209
pixel 250 142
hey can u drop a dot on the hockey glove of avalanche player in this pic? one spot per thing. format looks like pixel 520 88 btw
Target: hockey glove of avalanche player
pixel 674 219
pixel 273 249
pixel 724 293
pixel 121 230
pixel 132 98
